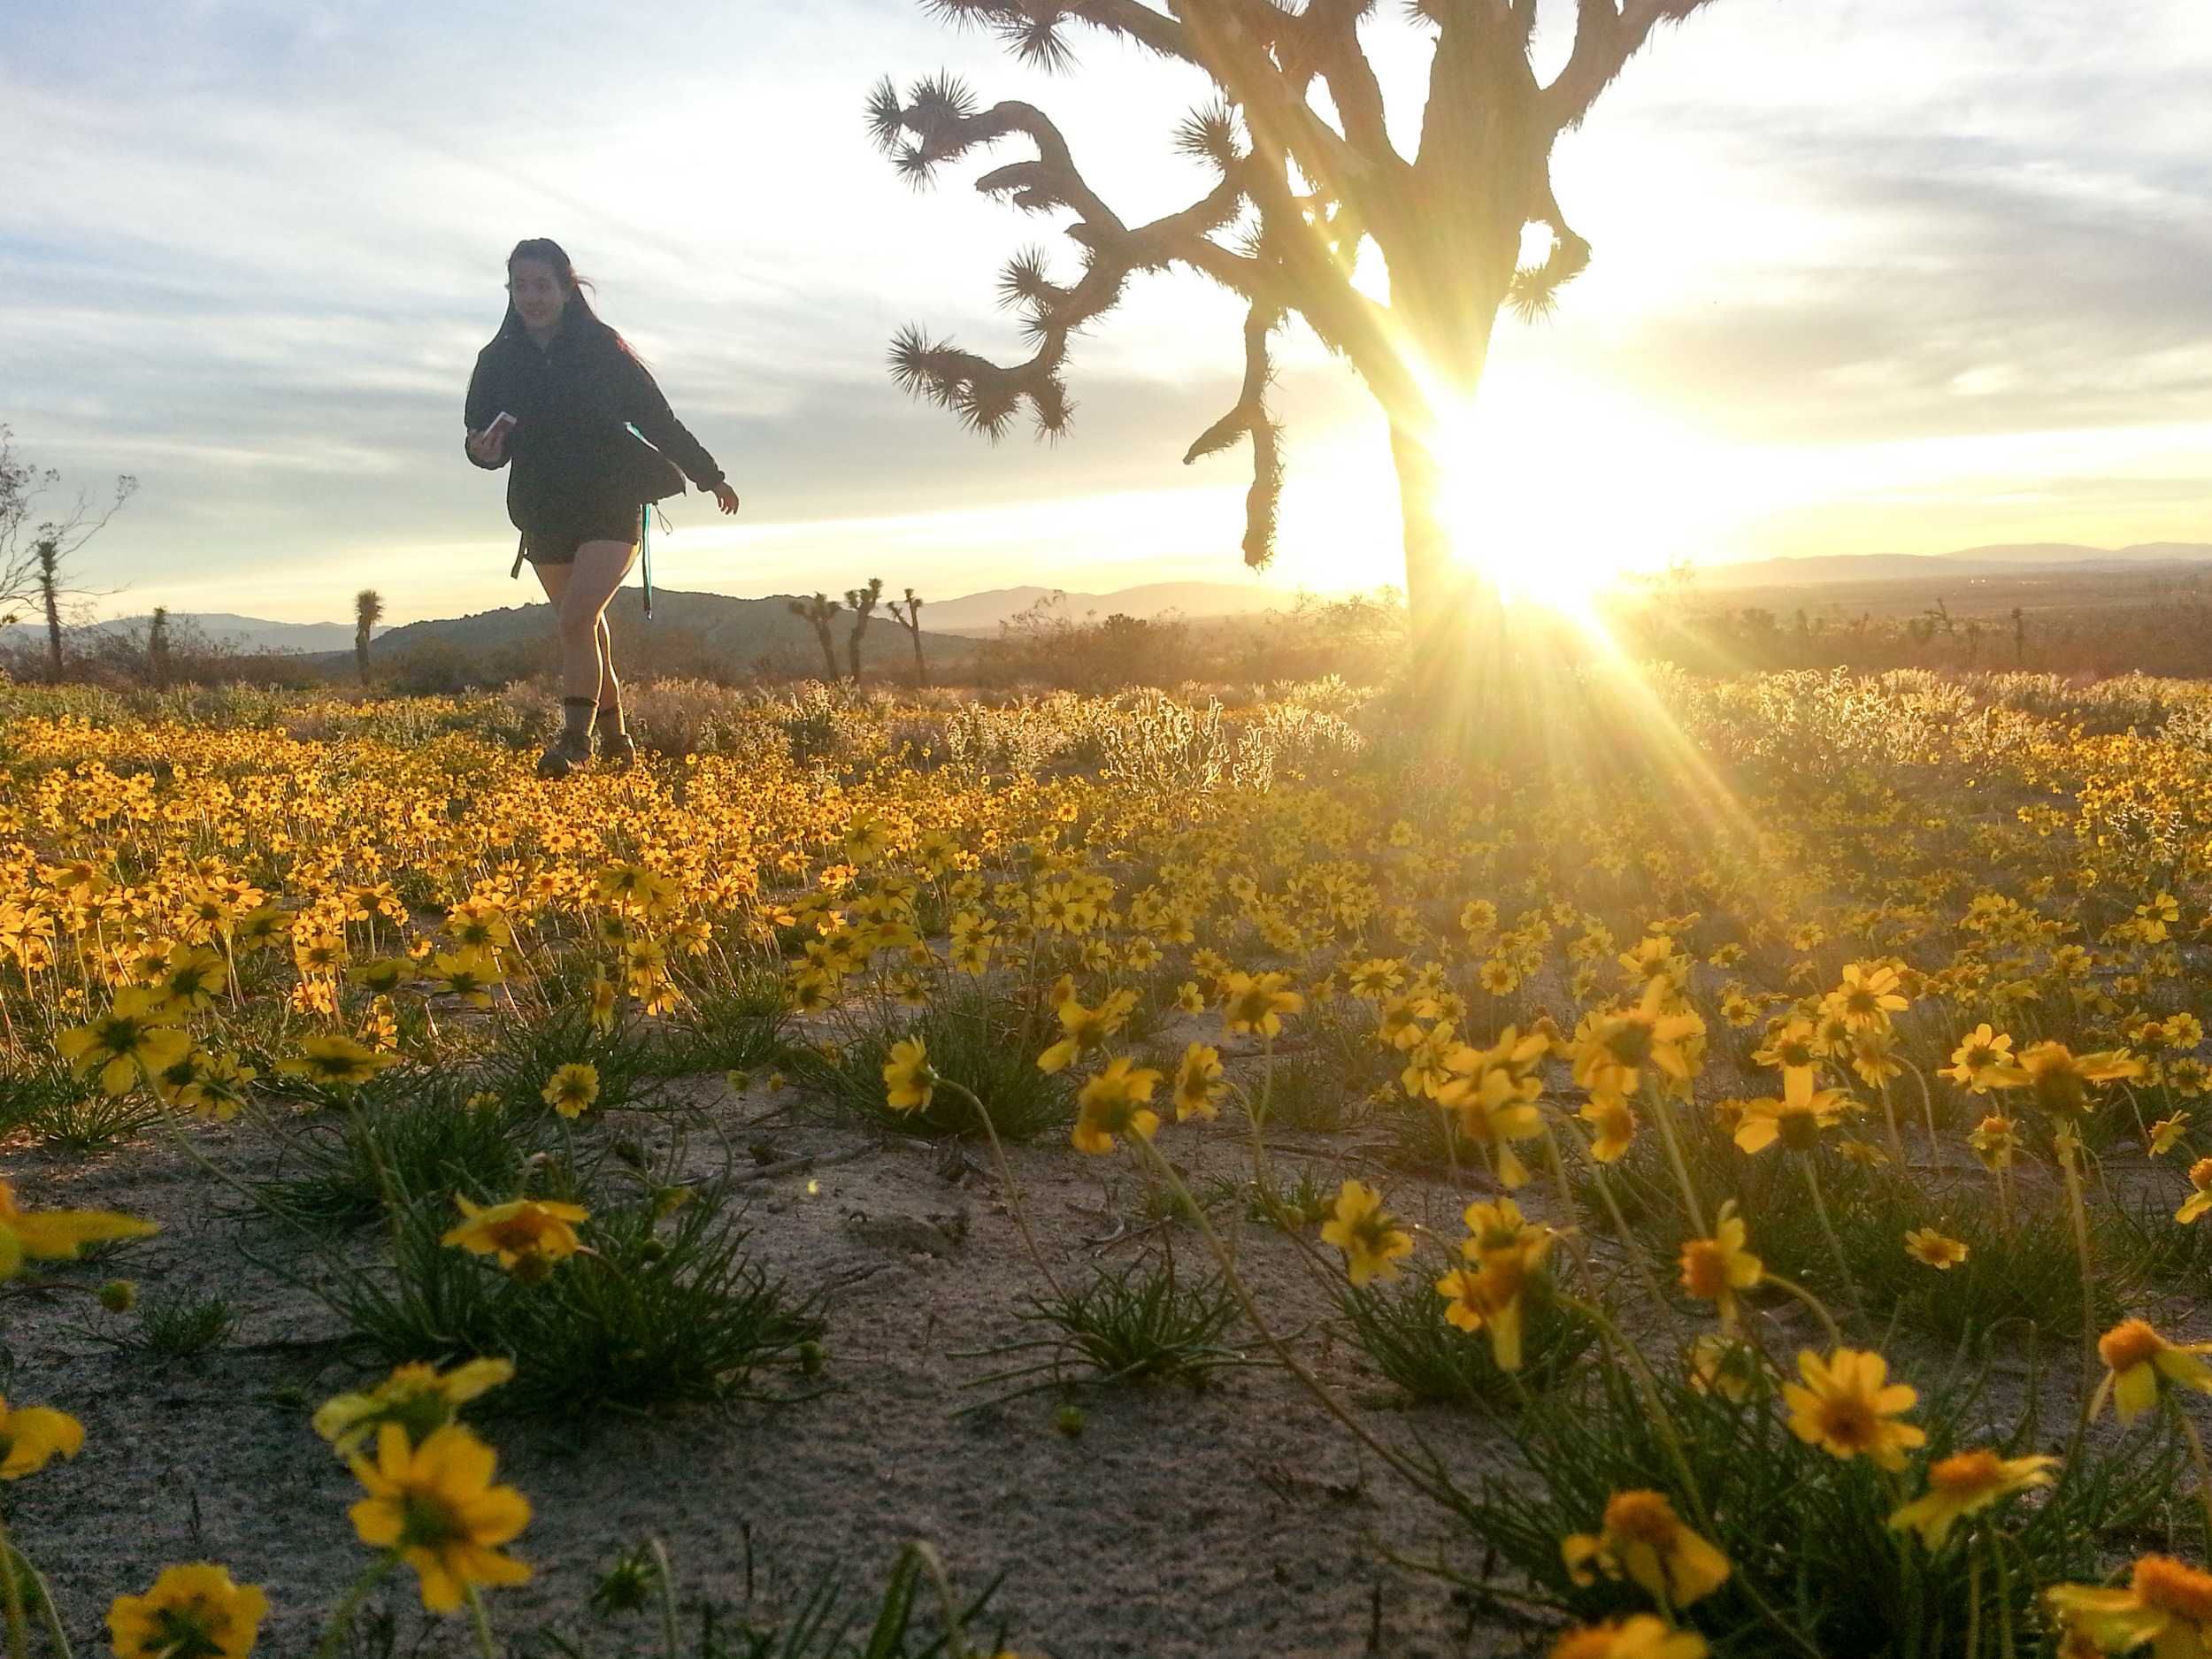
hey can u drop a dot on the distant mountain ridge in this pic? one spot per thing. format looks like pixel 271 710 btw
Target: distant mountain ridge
pixel 748 632
pixel 981 613
pixel 220 628
pixel 2000 559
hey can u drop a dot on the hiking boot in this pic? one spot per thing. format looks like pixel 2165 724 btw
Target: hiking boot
pixel 617 749
pixel 568 752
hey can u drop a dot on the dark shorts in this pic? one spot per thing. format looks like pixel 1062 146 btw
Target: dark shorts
pixel 553 535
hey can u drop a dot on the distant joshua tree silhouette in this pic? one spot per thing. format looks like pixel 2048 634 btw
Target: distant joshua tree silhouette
pixel 910 620
pixel 862 600
pixel 1305 176
pixel 818 613
pixel 368 611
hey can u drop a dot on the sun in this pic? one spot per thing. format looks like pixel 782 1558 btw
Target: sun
pixel 1553 489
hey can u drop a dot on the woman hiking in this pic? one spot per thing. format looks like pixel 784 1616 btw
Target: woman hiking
pixel 561 395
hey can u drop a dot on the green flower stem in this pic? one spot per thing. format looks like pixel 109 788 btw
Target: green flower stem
pixel 1663 1114
pixel 1820 1308
pixel 1927 1108
pixel 480 1622
pixel 1974 1596
pixel 11 1598
pixel 1635 1252
pixel 1828 1231
pixel 2063 1143
pixel 342 1619
pixel 2196 1455
pixel 47 1613
pixel 955 1638
pixel 1276 1345
pixel 1006 1179
pixel 668 1597
pixel 1889 1122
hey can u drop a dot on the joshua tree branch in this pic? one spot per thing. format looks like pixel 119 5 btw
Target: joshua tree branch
pixel 1250 418
pixel 1607 34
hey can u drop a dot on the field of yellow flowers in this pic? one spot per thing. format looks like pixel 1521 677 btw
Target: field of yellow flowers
pixel 1693 1167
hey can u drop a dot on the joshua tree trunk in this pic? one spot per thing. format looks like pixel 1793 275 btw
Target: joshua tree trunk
pixel 368 609
pixel 817 614
pixel 862 600
pixel 48 555
pixel 909 618
pixel 158 647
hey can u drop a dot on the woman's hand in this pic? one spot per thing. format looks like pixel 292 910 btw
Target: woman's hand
pixel 488 448
pixel 725 498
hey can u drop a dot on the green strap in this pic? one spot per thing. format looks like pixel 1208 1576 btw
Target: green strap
pixel 645 553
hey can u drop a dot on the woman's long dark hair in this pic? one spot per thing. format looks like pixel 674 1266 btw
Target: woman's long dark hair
pixel 576 309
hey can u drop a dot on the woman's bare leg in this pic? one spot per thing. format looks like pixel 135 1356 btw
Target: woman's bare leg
pixel 589 691
pixel 586 647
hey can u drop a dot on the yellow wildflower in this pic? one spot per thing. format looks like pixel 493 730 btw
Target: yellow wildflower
pixel 573 1088
pixel 1715 1269
pixel 1256 1004
pixel 1984 1061
pixel 55 1234
pixel 137 1037
pixel 336 1060
pixel 1644 1538
pixel 1112 1103
pixel 1197 1083
pixel 1796 1120
pixel 192 1612
pixel 529 1236
pixel 2167 1604
pixel 1367 1233
pixel 1964 1485
pixel 1925 1244
pixel 1639 1636
pixel 30 1435
pixel 1085 1029
pixel 417 1397
pixel 2136 1359
pixel 435 1505
pixel 908 1078
pixel 1846 1405
pixel 2200 1200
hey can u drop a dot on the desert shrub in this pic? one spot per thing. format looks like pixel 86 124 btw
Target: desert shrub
pixel 1403 1329
pixel 1143 1324
pixel 429 1146
pixel 53 1106
pixel 977 1039
pixel 1814 1565
pixel 664 1309
pixel 732 1016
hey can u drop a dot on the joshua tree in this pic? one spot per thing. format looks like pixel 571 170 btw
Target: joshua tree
pixel 862 600
pixel 910 620
pixel 157 646
pixel 817 613
pixel 368 611
pixel 1305 176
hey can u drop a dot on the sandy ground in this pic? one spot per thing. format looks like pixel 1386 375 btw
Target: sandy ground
pixel 1236 1521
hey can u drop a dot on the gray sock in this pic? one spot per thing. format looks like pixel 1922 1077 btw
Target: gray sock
pixel 611 720
pixel 577 713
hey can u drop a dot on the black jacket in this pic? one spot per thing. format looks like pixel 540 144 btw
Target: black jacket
pixel 573 403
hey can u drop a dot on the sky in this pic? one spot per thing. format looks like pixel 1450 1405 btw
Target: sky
pixel 1869 276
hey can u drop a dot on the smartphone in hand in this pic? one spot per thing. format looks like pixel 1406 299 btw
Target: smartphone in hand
pixel 502 424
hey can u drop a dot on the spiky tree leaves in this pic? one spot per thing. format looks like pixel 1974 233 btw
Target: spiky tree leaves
pixel 1306 177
